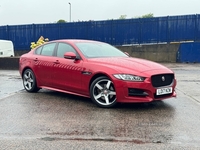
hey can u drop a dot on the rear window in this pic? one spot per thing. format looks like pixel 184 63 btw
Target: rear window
pixel 46 50
pixel 38 50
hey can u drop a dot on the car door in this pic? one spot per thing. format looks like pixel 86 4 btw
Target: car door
pixel 43 64
pixel 68 72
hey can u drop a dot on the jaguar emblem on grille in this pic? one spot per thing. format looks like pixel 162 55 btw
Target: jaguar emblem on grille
pixel 163 78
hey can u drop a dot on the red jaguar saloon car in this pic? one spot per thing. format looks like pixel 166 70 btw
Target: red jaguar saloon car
pixel 95 70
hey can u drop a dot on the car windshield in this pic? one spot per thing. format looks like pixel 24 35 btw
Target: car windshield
pixel 96 50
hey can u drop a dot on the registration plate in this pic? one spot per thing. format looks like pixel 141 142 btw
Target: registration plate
pixel 163 91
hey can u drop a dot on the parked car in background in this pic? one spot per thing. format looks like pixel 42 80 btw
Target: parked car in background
pixel 6 48
pixel 96 70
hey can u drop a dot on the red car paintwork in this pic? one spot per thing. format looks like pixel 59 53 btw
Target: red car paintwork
pixel 66 75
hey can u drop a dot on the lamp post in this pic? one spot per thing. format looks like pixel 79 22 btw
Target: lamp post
pixel 70 12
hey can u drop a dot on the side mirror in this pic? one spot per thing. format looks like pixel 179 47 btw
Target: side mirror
pixel 70 55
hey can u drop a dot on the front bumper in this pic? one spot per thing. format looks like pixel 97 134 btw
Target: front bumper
pixel 130 92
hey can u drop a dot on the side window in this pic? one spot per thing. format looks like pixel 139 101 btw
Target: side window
pixel 63 48
pixel 48 49
pixel 38 50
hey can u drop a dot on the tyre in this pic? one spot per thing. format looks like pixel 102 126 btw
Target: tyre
pixel 102 92
pixel 29 81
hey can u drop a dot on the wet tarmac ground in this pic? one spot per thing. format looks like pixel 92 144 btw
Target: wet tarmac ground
pixel 53 120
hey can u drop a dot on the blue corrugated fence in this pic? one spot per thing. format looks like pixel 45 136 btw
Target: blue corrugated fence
pixel 116 32
pixel 189 52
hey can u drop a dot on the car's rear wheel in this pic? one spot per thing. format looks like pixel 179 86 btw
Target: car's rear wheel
pixel 29 81
pixel 102 92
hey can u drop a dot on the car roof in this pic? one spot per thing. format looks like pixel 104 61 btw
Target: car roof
pixel 76 41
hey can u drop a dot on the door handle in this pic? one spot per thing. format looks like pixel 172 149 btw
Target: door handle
pixel 36 59
pixel 56 62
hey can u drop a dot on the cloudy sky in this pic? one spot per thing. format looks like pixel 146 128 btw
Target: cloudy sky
pixel 17 12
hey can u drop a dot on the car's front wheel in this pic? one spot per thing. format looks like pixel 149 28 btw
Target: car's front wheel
pixel 102 92
pixel 29 81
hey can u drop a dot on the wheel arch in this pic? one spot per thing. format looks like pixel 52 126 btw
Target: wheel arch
pixel 26 69
pixel 98 75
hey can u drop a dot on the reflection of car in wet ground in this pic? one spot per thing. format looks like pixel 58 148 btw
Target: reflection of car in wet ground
pixel 96 70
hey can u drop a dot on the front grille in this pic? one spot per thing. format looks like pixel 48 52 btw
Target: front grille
pixel 162 80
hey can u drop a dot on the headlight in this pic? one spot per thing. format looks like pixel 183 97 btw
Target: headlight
pixel 128 77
